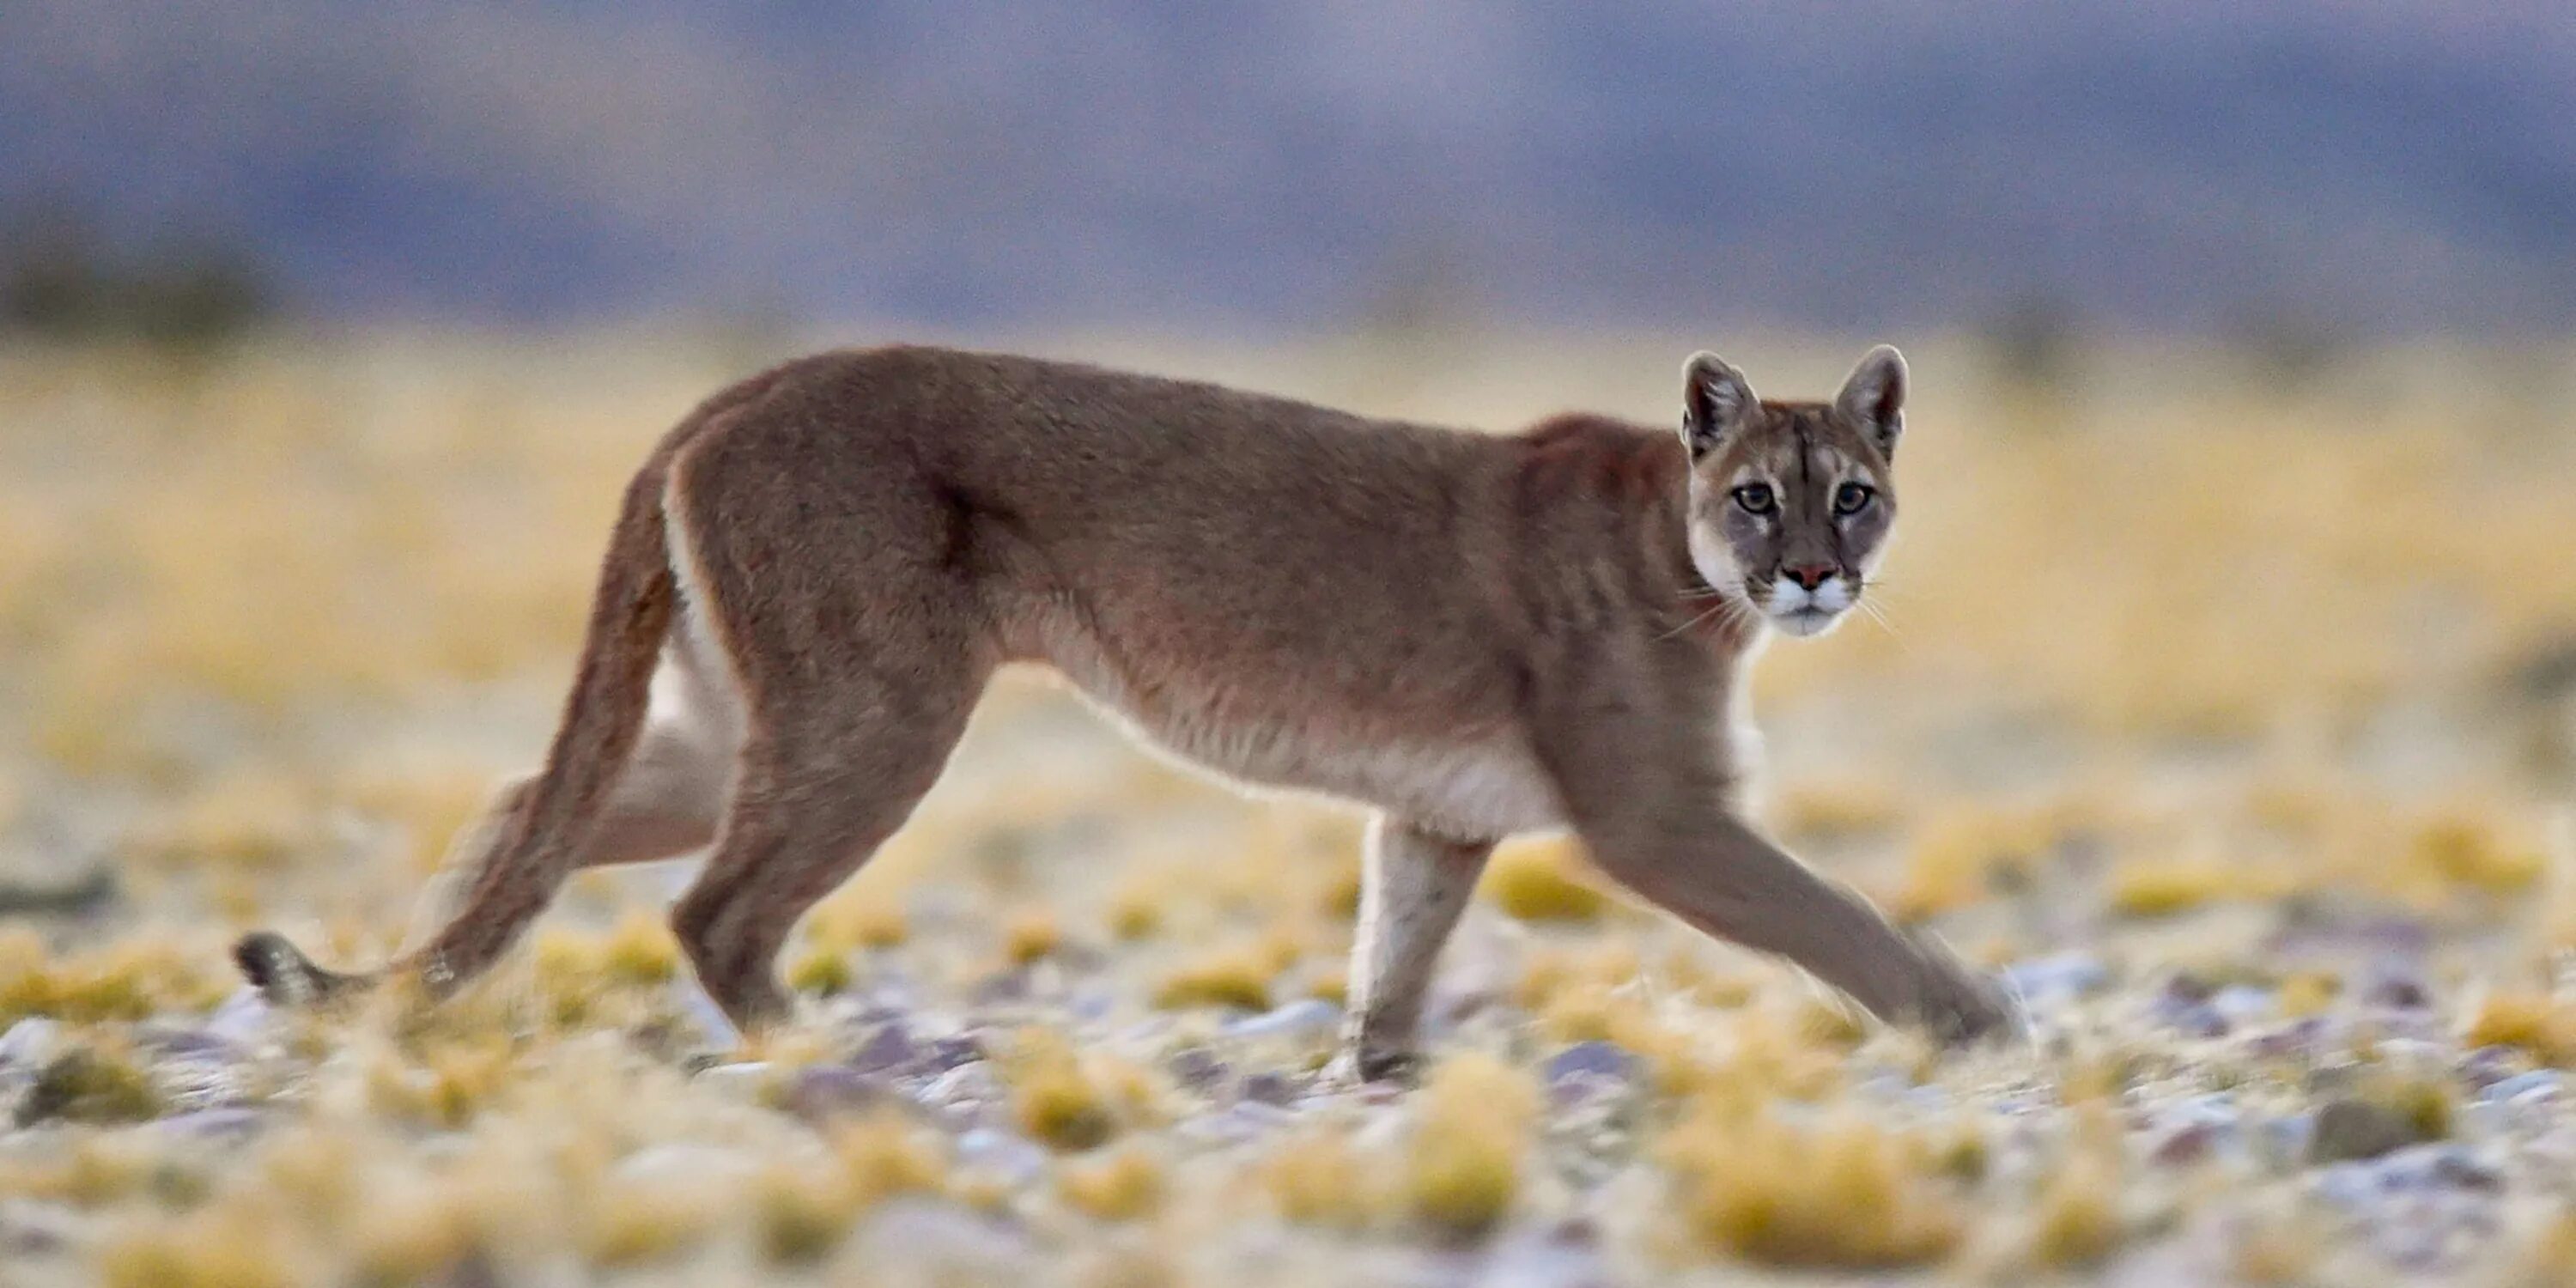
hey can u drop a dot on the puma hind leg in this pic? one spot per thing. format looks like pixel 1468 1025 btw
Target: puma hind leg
pixel 857 674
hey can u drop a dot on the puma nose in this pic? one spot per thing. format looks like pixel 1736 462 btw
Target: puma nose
pixel 1809 576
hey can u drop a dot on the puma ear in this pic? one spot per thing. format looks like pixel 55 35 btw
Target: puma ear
pixel 1715 402
pixel 1873 397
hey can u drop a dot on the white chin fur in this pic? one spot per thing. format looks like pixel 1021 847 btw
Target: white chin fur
pixel 1805 624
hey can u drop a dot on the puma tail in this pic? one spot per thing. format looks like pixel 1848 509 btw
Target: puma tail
pixel 288 978
pixel 528 854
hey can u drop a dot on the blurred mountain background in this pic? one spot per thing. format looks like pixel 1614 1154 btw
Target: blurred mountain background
pixel 2362 168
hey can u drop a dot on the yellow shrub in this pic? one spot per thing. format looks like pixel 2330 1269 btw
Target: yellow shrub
pixel 634 1222
pixel 820 970
pixel 1848 1194
pixel 231 1246
pixel 128 981
pixel 259 820
pixel 1238 977
pixel 866 915
pixel 1318 1179
pixel 448 1086
pixel 1120 1185
pixel 104 1084
pixel 1032 935
pixel 2308 992
pixel 1959 855
pixel 1543 881
pixel 800 1212
pixel 2160 888
pixel 884 1154
pixel 1827 811
pixel 2531 1022
pixel 640 951
pixel 1462 1169
pixel 1072 1103
pixel 2077 1220
pixel 1136 911
pixel 412 1239
pixel 2472 851
pixel 92 1169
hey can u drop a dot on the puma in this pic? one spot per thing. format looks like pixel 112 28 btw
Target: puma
pixel 1473 635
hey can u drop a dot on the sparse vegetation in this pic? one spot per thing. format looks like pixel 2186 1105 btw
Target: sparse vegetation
pixel 1848 1193
pixel 1543 881
pixel 276 626
pixel 1463 1166
pixel 1234 977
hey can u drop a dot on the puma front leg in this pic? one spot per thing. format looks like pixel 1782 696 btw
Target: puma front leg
pixel 1413 886
pixel 1644 786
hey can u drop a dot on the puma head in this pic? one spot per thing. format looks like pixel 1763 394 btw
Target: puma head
pixel 1792 502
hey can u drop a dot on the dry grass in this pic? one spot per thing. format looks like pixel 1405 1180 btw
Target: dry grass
pixel 2181 670
pixel 1462 1169
pixel 1844 1193
pixel 1544 881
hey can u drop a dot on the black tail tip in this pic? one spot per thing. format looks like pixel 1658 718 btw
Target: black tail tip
pixel 277 968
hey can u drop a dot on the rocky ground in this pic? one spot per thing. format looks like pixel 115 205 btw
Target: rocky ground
pixel 2233 727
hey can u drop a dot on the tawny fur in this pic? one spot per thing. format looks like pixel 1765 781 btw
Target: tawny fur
pixel 1475 635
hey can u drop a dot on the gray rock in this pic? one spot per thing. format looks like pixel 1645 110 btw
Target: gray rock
pixel 1592 1059
pixel 1546 1259
pixel 2447 1165
pixel 227 1123
pixel 244 1019
pixel 1003 988
pixel 2524 1088
pixel 965 1092
pixel 1269 1088
pixel 829 1091
pixel 2058 976
pixel 2193 1128
pixel 1241 1121
pixel 2349 1185
pixel 2489 1065
pixel 2299 1038
pixel 31 1228
pixel 2193 1019
pixel 1016 1159
pixel 2184 986
pixel 1307 1019
pixel 2241 1003
pixel 2396 991
pixel 29 1042
pixel 953 1052
pixel 190 1044
pixel 2284 1140
pixel 890 1049
pixel 2350 1129
pixel 1196 1068
pixel 2183 1144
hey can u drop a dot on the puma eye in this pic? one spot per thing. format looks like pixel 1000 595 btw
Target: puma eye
pixel 1852 498
pixel 1756 498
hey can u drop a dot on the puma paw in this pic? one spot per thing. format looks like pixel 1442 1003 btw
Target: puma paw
pixel 1358 1066
pixel 1961 1006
